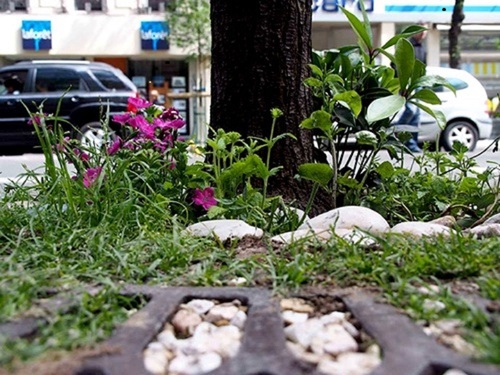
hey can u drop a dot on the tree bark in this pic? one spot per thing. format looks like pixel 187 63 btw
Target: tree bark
pixel 454 32
pixel 260 55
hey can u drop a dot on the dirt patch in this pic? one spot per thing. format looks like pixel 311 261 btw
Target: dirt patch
pixel 60 363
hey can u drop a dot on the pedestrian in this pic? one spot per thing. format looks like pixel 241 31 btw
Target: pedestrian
pixel 411 113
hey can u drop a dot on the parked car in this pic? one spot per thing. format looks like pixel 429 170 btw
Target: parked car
pixel 92 93
pixel 467 119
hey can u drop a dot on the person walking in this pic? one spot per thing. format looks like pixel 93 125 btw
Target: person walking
pixel 411 113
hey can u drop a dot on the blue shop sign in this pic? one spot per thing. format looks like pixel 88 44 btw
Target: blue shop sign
pixel 37 35
pixel 333 5
pixel 154 35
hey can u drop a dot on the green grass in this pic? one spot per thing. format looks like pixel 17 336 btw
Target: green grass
pixel 42 251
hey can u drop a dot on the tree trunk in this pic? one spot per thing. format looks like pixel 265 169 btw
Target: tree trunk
pixel 454 32
pixel 260 55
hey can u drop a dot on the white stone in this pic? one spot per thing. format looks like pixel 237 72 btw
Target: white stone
pixel 155 362
pixel 349 363
pixel 335 317
pixel 420 229
pixel 183 364
pixel 185 321
pixel 339 340
pixel 296 304
pixel 222 311
pixel 167 339
pixel 303 333
pixel 224 229
pixel 448 326
pixel 349 327
pixel 355 236
pixel 237 281
pixel 486 230
pixel 291 317
pixel 428 289
pixel 200 306
pixel 349 217
pixel 239 319
pixel 431 305
pixel 495 219
pixel 454 371
pixel 448 221
pixel 303 234
pixel 209 361
pixel 459 344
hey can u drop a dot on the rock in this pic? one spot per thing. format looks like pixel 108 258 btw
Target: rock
pixel 420 229
pixel 335 317
pixel 338 340
pixel 495 219
pixel 224 229
pixel 431 305
pixel 209 361
pixel 303 333
pixel 303 234
pixel 349 363
pixel 448 221
pixel 237 281
pixel 457 343
pixel 296 304
pixel 291 317
pixel 485 230
pixel 355 236
pixel 239 319
pixel 200 306
pixel 349 217
pixel 454 371
pixel 185 321
pixel 155 358
pixel 225 311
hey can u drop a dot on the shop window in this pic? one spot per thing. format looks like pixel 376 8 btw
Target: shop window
pixel 12 5
pixel 89 5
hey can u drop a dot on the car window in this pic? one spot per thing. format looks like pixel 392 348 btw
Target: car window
pixel 12 82
pixel 109 80
pixel 58 79
pixel 457 83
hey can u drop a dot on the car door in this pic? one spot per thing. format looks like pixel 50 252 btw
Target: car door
pixel 14 91
pixel 58 90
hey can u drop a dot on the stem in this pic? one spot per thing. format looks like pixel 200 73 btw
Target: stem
pixel 309 203
pixel 268 162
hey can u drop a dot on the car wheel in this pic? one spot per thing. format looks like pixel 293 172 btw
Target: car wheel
pixel 94 135
pixel 460 131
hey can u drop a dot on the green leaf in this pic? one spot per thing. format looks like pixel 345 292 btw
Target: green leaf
pixel 215 211
pixel 405 61
pixel 316 71
pixel 359 28
pixel 352 99
pixel 366 137
pixel 406 33
pixel 386 169
pixel 438 115
pixel 384 107
pixel 318 120
pixel 317 172
pixel 348 182
pixel 426 95
pixel 313 82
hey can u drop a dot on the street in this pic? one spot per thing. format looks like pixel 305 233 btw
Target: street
pixel 12 166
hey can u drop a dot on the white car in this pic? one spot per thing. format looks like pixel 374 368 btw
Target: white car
pixel 467 119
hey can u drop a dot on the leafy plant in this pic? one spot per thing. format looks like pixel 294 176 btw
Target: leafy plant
pixel 358 98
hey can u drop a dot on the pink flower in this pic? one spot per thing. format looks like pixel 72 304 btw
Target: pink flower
pixel 134 104
pixel 176 124
pixel 204 198
pixel 170 114
pixel 115 146
pixel 90 176
pixel 122 118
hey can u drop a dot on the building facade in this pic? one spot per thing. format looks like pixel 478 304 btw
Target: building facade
pixel 130 34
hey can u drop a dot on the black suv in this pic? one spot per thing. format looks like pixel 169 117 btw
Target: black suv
pixel 90 89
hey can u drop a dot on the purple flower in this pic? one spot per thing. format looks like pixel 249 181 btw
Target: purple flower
pixel 137 121
pixel 176 124
pixel 122 118
pixel 37 119
pixel 134 104
pixel 115 146
pixel 82 155
pixel 90 176
pixel 204 198
pixel 170 114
